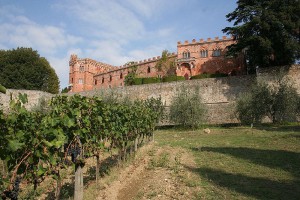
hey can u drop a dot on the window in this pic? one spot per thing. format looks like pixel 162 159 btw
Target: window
pixel 81 68
pixel 72 80
pixel 149 70
pixel 121 75
pixel 216 53
pixel 186 54
pixel 80 81
pixel 203 53
pixel 95 81
pixel 110 77
pixel 102 80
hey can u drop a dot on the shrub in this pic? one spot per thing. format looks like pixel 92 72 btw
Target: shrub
pixel 172 78
pixel 253 106
pixel 279 102
pixel 201 76
pixel 151 80
pixel 186 108
pixel 137 81
pixel 285 103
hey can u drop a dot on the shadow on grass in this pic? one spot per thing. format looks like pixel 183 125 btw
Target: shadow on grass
pixel 285 160
pixel 282 128
pixel 259 188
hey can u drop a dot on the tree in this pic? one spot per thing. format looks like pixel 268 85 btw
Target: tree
pixel 266 31
pixel 23 68
pixel 186 108
pixel 166 64
pixel 65 90
pixel 278 102
pixel 130 78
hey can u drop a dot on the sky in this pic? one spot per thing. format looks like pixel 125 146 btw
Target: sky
pixel 109 31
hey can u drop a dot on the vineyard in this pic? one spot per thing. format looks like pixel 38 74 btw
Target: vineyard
pixel 39 144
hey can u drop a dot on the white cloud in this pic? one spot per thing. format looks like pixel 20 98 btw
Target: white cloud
pixel 107 19
pixel 112 32
pixel 146 8
pixel 46 39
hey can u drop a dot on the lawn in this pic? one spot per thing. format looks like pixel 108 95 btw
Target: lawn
pixel 240 162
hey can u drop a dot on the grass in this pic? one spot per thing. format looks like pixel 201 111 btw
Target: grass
pixel 242 163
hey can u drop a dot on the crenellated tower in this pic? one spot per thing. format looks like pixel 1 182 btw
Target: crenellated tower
pixel 82 71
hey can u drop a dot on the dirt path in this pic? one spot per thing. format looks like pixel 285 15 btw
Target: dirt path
pixel 156 173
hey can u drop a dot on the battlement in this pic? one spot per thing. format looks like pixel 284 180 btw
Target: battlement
pixel 149 60
pixel 202 41
pixel 141 62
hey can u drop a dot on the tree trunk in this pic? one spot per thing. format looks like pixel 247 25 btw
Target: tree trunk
pixel 78 192
pixel 58 186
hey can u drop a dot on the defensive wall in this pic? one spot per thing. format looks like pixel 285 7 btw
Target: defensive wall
pixel 219 94
pixel 34 97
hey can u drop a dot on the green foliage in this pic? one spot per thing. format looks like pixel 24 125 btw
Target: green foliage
pixel 166 64
pixel 23 68
pixel 151 80
pixel 253 106
pixel 267 30
pixel 201 76
pixel 2 89
pixel 138 81
pixel 172 78
pixel 285 103
pixel 186 108
pixel 278 102
pixel 65 90
pixel 28 145
pixel 131 76
pixel 38 144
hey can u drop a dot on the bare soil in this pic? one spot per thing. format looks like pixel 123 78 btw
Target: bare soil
pixel 155 173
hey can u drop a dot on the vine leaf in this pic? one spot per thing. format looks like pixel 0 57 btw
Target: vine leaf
pixel 14 145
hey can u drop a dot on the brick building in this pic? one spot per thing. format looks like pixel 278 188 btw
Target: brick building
pixel 192 58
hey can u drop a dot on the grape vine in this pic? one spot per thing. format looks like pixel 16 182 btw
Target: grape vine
pixel 38 144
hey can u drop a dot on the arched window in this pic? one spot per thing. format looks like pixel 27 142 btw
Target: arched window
pixel 121 75
pixel 148 70
pixel 216 53
pixel 110 78
pixel 102 80
pixel 81 68
pixel 203 53
pixel 95 81
pixel 186 54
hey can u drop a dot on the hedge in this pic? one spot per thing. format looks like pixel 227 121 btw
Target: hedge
pixel 173 78
pixel 151 80
pixel 201 76
pixel 137 81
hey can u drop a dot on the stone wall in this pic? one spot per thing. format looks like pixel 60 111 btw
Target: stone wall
pixel 34 97
pixel 219 94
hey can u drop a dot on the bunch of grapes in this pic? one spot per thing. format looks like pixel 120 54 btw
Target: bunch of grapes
pixel 75 152
pixel 14 193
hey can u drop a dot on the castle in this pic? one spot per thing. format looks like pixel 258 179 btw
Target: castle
pixel 192 58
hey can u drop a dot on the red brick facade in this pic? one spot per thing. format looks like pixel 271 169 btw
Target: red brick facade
pixel 193 58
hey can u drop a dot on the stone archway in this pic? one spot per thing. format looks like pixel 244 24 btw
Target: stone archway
pixel 186 71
